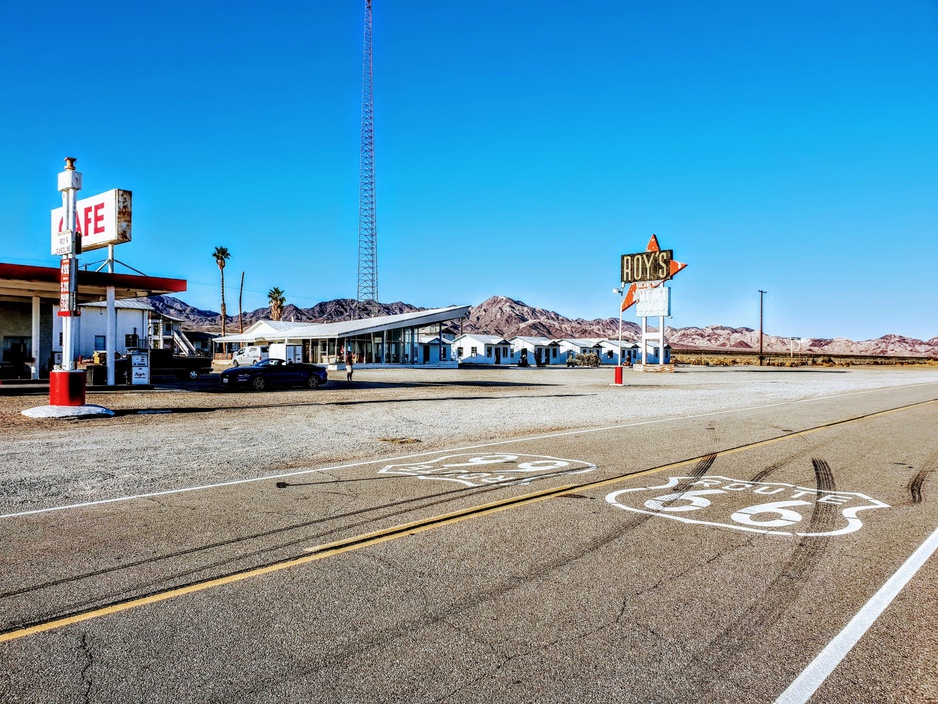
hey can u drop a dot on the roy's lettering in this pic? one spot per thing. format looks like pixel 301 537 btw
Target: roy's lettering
pixel 647 266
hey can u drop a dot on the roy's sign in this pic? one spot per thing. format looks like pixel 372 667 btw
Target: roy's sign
pixel 103 219
pixel 647 266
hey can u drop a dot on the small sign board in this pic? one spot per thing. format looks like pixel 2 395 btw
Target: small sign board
pixel 654 302
pixel 102 220
pixel 68 304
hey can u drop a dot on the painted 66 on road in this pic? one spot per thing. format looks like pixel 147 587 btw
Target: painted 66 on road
pixel 759 507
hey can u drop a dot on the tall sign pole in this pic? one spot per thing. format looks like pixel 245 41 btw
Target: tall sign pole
pixel 69 185
pixel 67 385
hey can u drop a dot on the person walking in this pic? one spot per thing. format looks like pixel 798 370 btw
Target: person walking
pixel 349 365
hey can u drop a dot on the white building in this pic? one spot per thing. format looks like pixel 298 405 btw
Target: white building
pixel 530 351
pixel 435 349
pixel 610 351
pixel 569 348
pixel 138 325
pixel 474 348
pixel 387 340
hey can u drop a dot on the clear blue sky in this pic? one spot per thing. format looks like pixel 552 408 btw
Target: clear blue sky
pixel 521 148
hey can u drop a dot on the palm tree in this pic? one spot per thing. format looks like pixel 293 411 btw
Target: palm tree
pixel 221 256
pixel 277 299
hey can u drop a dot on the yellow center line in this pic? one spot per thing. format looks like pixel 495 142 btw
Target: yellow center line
pixel 419 526
pixel 321 552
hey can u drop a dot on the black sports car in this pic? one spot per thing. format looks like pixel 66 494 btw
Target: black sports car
pixel 274 372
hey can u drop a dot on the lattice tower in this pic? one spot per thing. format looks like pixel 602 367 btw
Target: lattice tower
pixel 367 304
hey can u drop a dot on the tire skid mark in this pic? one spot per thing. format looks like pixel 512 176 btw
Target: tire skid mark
pixel 754 624
pixel 915 485
pixel 787 460
pixel 918 481
pixel 699 470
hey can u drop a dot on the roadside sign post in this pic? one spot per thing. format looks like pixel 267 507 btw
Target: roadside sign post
pixel 67 386
pixel 102 220
pixel 621 292
pixel 647 272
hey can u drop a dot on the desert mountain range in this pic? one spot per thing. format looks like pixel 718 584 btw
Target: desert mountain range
pixel 506 317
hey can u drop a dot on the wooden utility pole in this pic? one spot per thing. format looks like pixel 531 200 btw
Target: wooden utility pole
pixel 761 295
pixel 240 307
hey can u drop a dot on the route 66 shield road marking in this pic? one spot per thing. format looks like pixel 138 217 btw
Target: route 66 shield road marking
pixel 485 470
pixel 758 507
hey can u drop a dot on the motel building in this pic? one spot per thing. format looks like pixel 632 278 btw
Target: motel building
pixel 29 324
pixel 494 350
pixel 531 351
pixel 401 340
pixel 475 348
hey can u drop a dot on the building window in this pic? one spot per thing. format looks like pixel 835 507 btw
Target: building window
pixel 459 352
pixel 473 351
pixel 554 355
pixel 488 351
pixel 100 342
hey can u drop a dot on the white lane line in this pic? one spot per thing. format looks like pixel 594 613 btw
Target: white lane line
pixel 546 436
pixel 821 667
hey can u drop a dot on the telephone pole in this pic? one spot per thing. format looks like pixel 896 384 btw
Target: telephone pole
pixel 761 295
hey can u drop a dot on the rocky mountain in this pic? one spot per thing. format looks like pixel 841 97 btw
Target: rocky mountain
pixel 507 317
pixel 210 321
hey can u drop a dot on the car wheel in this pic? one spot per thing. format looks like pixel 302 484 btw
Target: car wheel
pixel 193 374
pixel 258 383
pixel 312 381
pixel 234 363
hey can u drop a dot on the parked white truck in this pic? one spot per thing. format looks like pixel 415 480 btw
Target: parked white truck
pixel 252 354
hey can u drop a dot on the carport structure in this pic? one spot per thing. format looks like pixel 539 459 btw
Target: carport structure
pixel 29 293
pixel 387 340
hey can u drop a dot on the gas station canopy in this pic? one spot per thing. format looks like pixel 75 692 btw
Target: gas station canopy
pixel 22 282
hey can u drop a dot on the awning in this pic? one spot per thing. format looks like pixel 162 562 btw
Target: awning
pixel 22 282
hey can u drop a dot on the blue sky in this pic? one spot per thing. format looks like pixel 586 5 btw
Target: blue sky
pixel 521 148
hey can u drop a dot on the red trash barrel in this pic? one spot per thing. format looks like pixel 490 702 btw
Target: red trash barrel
pixel 618 375
pixel 67 388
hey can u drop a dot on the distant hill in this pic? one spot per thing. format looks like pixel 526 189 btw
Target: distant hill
pixel 507 317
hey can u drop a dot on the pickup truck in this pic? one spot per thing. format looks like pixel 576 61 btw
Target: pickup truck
pixel 165 363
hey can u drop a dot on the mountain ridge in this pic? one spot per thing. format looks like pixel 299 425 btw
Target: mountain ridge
pixel 507 317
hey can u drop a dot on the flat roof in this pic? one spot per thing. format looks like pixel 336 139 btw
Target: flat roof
pixel 23 282
pixel 275 331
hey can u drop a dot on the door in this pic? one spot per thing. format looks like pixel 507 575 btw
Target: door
pixel 16 350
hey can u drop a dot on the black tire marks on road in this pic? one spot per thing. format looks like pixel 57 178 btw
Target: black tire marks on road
pixel 917 482
pixel 753 627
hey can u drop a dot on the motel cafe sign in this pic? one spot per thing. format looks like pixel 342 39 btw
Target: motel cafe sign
pixel 101 220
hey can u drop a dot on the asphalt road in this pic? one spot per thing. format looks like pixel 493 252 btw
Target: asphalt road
pixel 684 559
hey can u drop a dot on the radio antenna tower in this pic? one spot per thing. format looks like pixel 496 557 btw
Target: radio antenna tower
pixel 367 305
